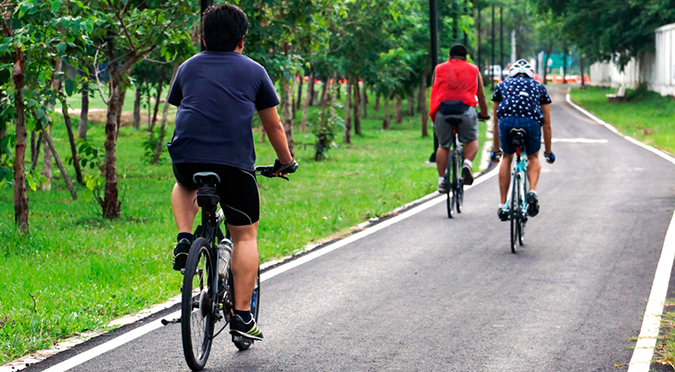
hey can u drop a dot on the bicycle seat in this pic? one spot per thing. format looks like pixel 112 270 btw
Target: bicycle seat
pixel 517 136
pixel 206 178
pixel 454 121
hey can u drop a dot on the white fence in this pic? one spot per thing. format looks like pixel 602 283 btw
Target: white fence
pixel 657 70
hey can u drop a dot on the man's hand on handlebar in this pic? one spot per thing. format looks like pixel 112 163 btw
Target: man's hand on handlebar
pixel 278 169
pixel 483 118
pixel 496 156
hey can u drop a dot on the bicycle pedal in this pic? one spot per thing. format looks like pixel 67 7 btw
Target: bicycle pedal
pixel 170 321
pixel 240 338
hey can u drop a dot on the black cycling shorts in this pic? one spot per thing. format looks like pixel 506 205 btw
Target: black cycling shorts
pixel 238 190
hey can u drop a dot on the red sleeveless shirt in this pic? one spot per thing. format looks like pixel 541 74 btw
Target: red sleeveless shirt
pixel 455 80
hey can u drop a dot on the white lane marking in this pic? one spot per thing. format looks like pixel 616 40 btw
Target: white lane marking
pixel 578 140
pixel 140 331
pixel 644 348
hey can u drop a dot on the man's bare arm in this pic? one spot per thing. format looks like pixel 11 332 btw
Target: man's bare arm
pixel 546 128
pixel 275 132
pixel 482 102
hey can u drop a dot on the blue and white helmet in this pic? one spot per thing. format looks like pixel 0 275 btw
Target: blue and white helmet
pixel 521 66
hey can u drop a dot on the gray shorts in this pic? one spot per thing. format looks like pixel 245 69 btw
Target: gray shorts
pixel 467 128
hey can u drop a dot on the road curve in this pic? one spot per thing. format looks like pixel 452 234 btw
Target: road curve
pixel 431 294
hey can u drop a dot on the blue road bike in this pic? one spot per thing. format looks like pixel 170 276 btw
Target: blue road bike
pixel 515 203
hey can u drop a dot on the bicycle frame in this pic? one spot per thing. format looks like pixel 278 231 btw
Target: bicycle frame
pixel 518 176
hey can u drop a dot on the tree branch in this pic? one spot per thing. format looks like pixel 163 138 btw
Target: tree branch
pixel 98 81
pixel 124 27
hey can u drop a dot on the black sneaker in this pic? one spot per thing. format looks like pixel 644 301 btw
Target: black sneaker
pixel 180 254
pixel 503 214
pixel 467 175
pixel 248 330
pixel 443 187
pixel 532 204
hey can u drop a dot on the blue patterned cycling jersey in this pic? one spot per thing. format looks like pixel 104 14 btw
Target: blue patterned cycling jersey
pixel 521 97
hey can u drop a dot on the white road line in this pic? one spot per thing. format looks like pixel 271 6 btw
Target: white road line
pixel 644 348
pixel 140 331
pixel 578 140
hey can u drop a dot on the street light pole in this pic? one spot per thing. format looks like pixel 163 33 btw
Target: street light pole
pixel 492 57
pixel 433 27
pixel 204 4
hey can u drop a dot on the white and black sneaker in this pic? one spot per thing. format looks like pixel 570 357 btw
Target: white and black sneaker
pixel 248 330
pixel 532 204
pixel 442 186
pixel 467 174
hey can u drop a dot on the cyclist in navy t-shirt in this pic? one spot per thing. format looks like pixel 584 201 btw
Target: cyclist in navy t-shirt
pixel 217 93
pixel 521 102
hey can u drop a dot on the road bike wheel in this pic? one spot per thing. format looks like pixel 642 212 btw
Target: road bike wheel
pixel 513 213
pixel 523 220
pixel 197 318
pixel 450 195
pixel 243 343
pixel 459 184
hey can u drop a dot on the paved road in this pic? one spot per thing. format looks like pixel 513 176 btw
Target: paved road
pixel 431 294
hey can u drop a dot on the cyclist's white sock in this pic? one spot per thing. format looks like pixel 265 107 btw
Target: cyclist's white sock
pixel 441 179
pixel 501 206
pixel 535 193
pixel 468 163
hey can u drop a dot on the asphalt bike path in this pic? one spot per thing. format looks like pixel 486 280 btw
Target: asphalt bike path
pixel 429 293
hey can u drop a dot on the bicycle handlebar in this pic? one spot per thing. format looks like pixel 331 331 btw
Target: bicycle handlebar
pixel 266 171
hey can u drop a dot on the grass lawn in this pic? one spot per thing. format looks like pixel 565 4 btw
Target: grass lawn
pixel 646 116
pixel 77 271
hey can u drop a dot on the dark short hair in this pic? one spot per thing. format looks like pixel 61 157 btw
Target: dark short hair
pixel 458 50
pixel 224 26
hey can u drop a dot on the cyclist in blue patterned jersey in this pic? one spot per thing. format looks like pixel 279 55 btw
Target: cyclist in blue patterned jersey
pixel 521 102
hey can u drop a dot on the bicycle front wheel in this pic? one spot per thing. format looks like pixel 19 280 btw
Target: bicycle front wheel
pixel 197 302
pixel 459 182
pixel 513 213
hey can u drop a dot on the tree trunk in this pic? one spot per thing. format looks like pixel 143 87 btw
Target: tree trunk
pixel 298 101
pixel 348 112
pixel 33 149
pixel 84 112
pixel 338 89
pixel 295 83
pixel 364 101
pixel 357 107
pixel 581 67
pixel 46 161
pixel 324 92
pixel 165 114
pixel 325 101
pixel 151 127
pixel 422 98
pixel 548 53
pixel 35 157
pixel 377 103
pixel 385 118
pixel 310 89
pixel 20 198
pixel 399 116
pixel 59 164
pixel 286 112
pixel 308 100
pixel 411 104
pixel 71 139
pixel 137 110
pixel 120 106
pixel 110 204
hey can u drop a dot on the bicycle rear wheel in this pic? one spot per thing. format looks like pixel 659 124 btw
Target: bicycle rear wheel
pixel 458 183
pixel 514 213
pixel 449 179
pixel 197 317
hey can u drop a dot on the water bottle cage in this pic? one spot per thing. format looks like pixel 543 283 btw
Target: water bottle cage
pixel 207 198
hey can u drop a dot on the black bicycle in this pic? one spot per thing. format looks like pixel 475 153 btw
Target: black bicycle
pixel 208 288
pixel 454 183
pixel 516 203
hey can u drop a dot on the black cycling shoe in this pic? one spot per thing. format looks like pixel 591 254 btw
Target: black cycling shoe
pixel 180 254
pixel 503 214
pixel 248 330
pixel 467 175
pixel 532 204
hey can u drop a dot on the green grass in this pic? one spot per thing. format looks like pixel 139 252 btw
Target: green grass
pixel 83 270
pixel 646 116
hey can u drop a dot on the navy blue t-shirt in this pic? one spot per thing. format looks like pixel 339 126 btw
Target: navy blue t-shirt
pixel 521 97
pixel 217 94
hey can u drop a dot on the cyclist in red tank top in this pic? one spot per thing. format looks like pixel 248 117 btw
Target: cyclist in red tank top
pixel 456 89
